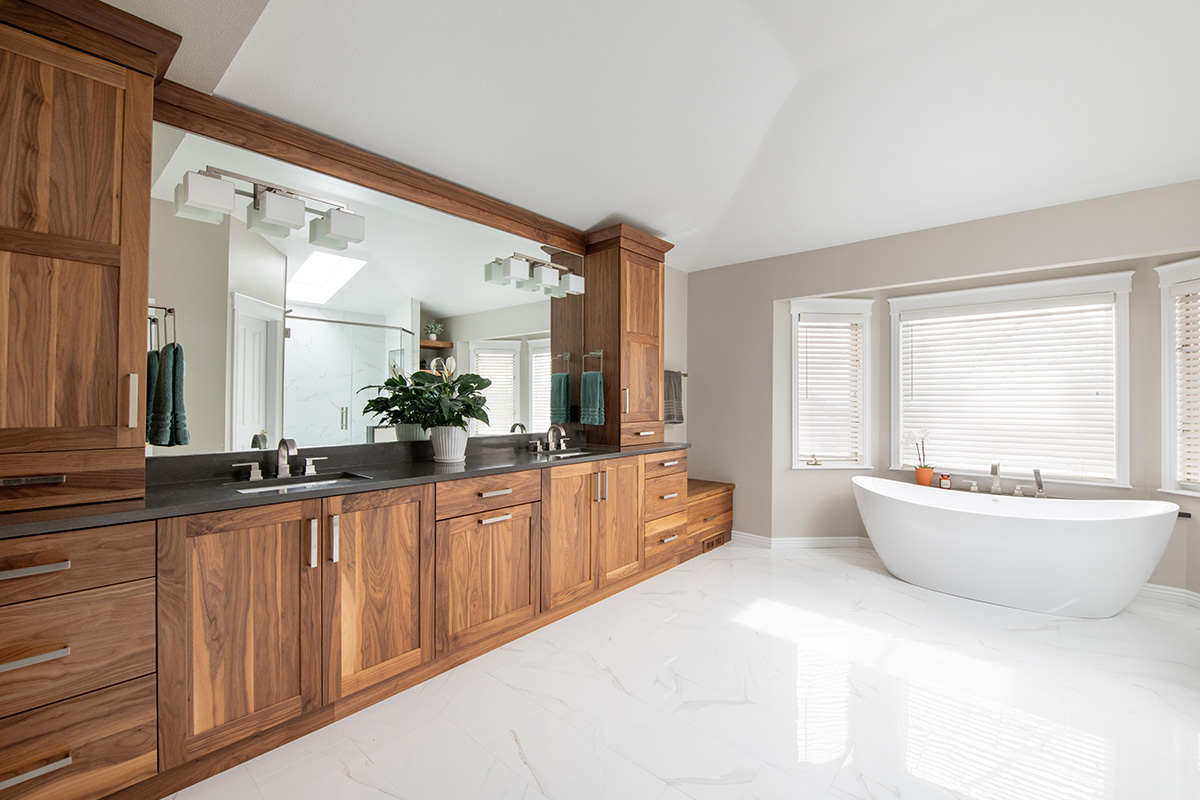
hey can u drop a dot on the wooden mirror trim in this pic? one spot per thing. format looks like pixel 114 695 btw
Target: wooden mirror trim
pixel 214 118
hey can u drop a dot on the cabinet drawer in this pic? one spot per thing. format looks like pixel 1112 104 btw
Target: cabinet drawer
pixel 711 514
pixel 62 646
pixel 32 567
pixel 39 480
pixel 666 463
pixel 666 494
pixel 635 433
pixel 472 495
pixel 81 749
pixel 666 536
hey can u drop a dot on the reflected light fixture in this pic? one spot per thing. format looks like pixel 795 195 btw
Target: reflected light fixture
pixel 493 272
pixel 572 283
pixel 533 275
pixel 274 213
pixel 204 197
pixel 320 277
pixel 337 229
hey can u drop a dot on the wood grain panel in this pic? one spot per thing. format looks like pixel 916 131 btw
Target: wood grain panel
pixel 642 337
pixel 109 631
pixel 374 617
pixel 711 513
pixel 97 557
pixel 85 342
pixel 485 575
pixel 92 476
pixel 25 140
pixel 456 498
pixel 621 545
pixel 667 536
pixel 634 434
pixel 666 494
pixel 109 735
pixel 602 331
pixel 43 244
pixel 570 523
pixel 665 463
pixel 84 159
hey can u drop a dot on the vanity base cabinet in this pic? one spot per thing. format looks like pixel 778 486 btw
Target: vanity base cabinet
pixel 622 552
pixel 487 574
pixel 570 530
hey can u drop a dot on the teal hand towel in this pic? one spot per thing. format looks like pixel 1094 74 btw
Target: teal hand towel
pixel 151 385
pixel 591 399
pixel 560 397
pixel 163 403
pixel 179 428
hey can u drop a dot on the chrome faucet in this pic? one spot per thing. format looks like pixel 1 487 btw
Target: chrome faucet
pixel 996 478
pixel 516 425
pixel 1037 481
pixel 562 435
pixel 287 449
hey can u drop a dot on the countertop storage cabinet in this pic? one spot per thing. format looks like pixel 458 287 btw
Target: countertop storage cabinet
pixel 74 242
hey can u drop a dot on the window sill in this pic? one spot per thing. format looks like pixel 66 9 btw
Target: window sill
pixel 1182 492
pixel 1022 479
pixel 806 467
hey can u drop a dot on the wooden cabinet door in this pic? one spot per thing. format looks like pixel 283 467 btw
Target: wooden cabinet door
pixel 238 625
pixel 641 338
pixel 378 586
pixel 486 574
pixel 621 536
pixel 570 523
pixel 74 249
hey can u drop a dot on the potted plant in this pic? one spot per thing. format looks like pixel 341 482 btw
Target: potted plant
pixel 446 407
pixel 923 468
pixel 396 407
pixel 433 329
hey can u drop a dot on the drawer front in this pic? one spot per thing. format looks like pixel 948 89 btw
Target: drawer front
pixel 32 567
pixel 40 480
pixel 470 496
pixel 635 433
pixel 667 536
pixel 666 494
pixel 64 646
pixel 711 514
pixel 666 463
pixel 81 749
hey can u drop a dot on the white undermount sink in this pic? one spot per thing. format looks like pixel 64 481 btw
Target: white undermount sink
pixel 289 485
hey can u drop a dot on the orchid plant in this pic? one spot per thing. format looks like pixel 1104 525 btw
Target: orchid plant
pixel 917 440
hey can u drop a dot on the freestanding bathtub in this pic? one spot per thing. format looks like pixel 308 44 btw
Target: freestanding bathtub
pixel 1078 558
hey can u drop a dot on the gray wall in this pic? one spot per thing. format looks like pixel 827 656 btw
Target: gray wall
pixel 675 340
pixel 740 425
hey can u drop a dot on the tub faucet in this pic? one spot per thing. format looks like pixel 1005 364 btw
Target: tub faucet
pixel 996 478
pixel 1037 481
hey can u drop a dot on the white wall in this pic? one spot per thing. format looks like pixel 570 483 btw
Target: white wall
pixel 740 426
pixel 675 341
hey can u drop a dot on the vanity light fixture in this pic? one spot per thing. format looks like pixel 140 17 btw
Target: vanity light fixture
pixel 493 272
pixel 204 197
pixel 572 283
pixel 274 213
pixel 533 275
pixel 337 229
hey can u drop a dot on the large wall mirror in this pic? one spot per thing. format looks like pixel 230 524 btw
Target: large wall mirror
pixel 279 335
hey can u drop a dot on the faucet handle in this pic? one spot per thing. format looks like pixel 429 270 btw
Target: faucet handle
pixel 255 470
pixel 310 464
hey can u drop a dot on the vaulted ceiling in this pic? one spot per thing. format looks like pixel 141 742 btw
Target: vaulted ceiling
pixel 737 129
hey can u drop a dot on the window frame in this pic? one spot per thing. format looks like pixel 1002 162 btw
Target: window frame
pixel 1114 286
pixel 1173 279
pixel 535 347
pixel 833 309
pixel 499 346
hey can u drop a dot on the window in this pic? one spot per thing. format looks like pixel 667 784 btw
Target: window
pixel 831 401
pixel 1181 375
pixel 1032 375
pixel 539 385
pixel 500 361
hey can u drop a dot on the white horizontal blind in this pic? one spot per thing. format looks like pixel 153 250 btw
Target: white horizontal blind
pixel 1028 387
pixel 500 366
pixel 829 391
pixel 539 391
pixel 1187 387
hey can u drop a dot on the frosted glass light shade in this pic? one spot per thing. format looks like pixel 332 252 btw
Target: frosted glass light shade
pixel 572 283
pixel 493 272
pixel 530 285
pixel 275 214
pixel 546 277
pixel 337 229
pixel 516 269
pixel 203 198
pixel 556 291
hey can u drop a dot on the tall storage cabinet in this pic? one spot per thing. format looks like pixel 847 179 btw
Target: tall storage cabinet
pixel 74 241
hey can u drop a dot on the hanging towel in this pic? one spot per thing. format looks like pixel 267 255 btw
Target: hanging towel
pixel 560 397
pixel 591 399
pixel 151 385
pixel 163 403
pixel 179 428
pixel 673 397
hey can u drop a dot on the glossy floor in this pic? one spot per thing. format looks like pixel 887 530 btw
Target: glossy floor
pixel 747 674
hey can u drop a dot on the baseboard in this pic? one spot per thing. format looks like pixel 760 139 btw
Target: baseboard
pixel 1156 591
pixel 783 543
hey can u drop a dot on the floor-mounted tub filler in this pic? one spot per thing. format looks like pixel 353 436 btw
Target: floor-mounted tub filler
pixel 1078 558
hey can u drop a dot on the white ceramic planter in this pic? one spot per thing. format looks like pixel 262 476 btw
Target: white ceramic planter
pixel 449 444
pixel 411 432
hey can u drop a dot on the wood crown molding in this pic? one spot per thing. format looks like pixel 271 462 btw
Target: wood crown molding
pixel 243 127
pixel 627 237
pixel 98 29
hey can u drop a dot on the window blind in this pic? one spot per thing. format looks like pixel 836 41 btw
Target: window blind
pixel 829 424
pixel 1187 386
pixel 539 390
pixel 500 366
pixel 1028 385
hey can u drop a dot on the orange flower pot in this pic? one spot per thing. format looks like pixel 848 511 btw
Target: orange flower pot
pixel 924 476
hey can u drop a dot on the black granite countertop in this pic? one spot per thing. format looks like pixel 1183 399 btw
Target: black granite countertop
pixel 193 485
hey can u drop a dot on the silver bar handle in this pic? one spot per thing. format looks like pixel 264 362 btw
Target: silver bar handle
pixel 626 391
pixel 134 416
pixel 710 519
pixel 670 538
pixel 40 569
pixel 667 463
pixel 314 555
pixel 40 658
pixel 605 484
pixel 45 769
pixel 598 498
pixel 33 480
pixel 670 496
pixel 337 536
pixel 496 493
pixel 645 433
pixel 490 520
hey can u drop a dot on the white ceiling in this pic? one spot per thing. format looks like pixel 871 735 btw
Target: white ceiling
pixel 739 129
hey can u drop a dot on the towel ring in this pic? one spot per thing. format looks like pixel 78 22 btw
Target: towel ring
pixel 596 354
